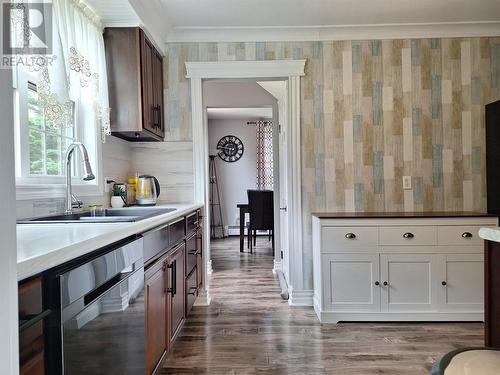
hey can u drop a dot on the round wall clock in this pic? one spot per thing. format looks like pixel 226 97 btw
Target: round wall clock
pixel 230 148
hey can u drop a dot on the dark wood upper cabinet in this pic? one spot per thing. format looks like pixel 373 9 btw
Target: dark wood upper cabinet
pixel 135 81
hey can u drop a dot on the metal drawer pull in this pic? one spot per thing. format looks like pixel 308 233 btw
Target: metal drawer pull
pixel 194 252
pixel 408 235
pixel 30 320
pixel 467 235
pixel 350 236
pixel 443 283
pixel 386 283
pixel 377 283
pixel 192 291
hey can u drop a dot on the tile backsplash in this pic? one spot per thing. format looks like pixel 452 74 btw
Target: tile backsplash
pixel 170 162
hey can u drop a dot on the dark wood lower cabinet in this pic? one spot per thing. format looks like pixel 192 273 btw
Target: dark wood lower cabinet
pixel 31 330
pixel 157 338
pixel 191 290
pixel 177 289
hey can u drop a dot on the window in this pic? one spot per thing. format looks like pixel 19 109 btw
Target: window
pixel 41 146
pixel 47 144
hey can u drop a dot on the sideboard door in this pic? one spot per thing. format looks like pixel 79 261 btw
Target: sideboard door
pixel 350 282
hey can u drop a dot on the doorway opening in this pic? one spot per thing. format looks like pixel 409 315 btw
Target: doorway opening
pixel 289 246
pixel 243 126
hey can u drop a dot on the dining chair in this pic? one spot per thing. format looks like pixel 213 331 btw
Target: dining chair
pixel 261 210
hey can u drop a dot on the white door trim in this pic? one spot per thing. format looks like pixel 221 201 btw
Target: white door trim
pixel 292 70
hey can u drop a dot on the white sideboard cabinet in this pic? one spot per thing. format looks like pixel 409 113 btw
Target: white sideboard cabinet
pixel 399 267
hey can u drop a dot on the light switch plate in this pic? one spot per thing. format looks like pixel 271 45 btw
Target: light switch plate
pixel 406 182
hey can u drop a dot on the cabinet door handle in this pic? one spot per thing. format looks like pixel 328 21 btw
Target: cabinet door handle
pixel 159 116
pixel 350 236
pixel 377 283
pixel 174 278
pixel 467 235
pixel 153 109
pixel 193 252
pixel 443 283
pixel 408 235
pixel 169 266
pixel 386 283
pixel 192 291
pixel 30 320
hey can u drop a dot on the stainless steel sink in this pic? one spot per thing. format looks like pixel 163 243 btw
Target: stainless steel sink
pixel 111 215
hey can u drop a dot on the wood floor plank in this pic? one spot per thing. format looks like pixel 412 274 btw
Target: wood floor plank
pixel 249 329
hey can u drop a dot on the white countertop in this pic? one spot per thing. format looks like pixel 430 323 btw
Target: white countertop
pixel 44 246
pixel 490 234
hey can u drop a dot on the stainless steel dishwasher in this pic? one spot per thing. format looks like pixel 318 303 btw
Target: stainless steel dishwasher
pixel 102 314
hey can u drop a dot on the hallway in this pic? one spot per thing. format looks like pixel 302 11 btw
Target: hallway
pixel 249 329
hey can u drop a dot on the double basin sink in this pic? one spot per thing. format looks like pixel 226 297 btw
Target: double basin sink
pixel 108 215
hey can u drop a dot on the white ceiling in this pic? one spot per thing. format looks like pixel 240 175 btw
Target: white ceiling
pixel 115 12
pixel 296 20
pixel 269 13
pixel 239 113
pixel 275 88
pixel 150 15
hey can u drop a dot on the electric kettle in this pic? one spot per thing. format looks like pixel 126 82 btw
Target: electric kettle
pixel 147 190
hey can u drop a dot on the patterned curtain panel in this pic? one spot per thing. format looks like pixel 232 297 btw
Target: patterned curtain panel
pixel 265 179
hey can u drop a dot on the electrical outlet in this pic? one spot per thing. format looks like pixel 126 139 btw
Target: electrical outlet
pixel 406 182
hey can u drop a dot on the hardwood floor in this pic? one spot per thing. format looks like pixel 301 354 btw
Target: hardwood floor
pixel 249 329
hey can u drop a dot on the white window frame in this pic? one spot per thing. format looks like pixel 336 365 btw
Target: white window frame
pixel 42 187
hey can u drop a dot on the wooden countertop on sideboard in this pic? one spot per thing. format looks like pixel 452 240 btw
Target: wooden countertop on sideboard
pixel 385 215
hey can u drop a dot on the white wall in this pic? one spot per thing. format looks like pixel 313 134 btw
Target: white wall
pixel 9 360
pixel 234 178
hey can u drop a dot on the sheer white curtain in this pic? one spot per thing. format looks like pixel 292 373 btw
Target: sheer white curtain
pixel 78 72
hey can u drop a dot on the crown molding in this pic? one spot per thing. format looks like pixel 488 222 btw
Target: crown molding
pixel 334 32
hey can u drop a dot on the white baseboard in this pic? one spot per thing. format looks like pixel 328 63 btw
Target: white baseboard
pixel 277 266
pixel 203 298
pixel 301 298
pixel 346 316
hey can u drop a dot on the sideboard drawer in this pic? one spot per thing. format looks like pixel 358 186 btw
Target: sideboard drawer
pixel 410 236
pixel 342 237
pixel 459 235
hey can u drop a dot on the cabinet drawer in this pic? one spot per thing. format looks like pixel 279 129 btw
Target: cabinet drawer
pixel 338 238
pixel 411 236
pixel 459 235
pixel 191 291
pixel 31 336
pixel 177 231
pixel 191 253
pixel 192 222
pixel 30 298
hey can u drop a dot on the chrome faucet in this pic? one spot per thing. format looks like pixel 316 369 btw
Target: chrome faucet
pixel 71 201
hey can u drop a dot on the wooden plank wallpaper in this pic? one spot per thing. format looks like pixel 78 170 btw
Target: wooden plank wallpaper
pixel 372 112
